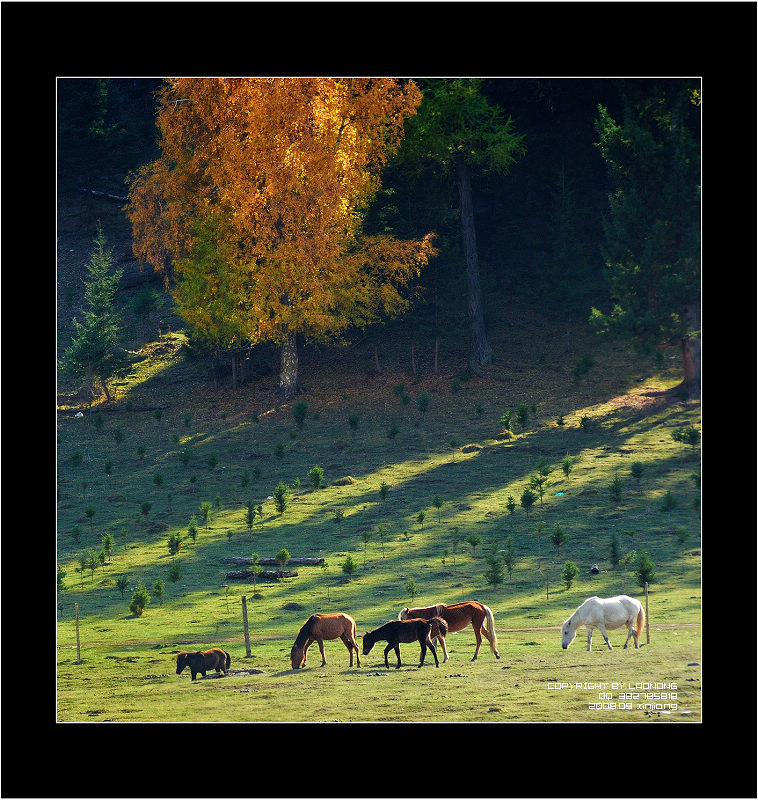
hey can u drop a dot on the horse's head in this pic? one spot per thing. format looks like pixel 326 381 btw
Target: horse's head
pixel 403 614
pixel 368 644
pixel 297 657
pixel 568 633
pixel 182 661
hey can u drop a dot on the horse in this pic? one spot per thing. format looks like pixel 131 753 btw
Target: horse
pixel 603 614
pixel 458 616
pixel 324 626
pixel 410 630
pixel 203 660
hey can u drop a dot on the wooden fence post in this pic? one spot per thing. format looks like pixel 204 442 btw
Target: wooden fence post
pixel 78 651
pixel 647 617
pixel 244 620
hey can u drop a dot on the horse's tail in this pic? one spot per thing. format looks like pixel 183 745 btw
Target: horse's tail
pixel 640 621
pixel 438 627
pixel 228 659
pixel 490 625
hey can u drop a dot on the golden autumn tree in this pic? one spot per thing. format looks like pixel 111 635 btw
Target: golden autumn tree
pixel 253 210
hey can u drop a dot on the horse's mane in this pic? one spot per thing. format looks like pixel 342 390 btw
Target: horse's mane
pixel 304 631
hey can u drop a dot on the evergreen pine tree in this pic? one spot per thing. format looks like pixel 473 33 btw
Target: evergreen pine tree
pixel 94 353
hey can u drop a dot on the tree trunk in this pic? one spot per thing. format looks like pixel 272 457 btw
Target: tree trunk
pixel 691 354
pixel 289 365
pixel 481 352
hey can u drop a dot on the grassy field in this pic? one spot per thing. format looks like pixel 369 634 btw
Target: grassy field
pixel 227 447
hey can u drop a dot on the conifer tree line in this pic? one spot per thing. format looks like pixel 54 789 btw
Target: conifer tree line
pixel 295 210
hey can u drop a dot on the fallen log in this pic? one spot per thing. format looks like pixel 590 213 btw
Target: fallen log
pixel 266 575
pixel 269 562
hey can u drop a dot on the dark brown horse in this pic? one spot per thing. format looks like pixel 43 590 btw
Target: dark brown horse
pixel 410 630
pixel 324 626
pixel 203 660
pixel 458 616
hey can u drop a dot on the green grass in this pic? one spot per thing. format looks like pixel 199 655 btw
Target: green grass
pixel 127 669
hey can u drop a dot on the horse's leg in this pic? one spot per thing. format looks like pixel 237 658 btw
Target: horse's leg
pixel 422 642
pixel 478 634
pixel 602 630
pixel 349 644
pixel 321 648
pixel 441 640
pixel 397 652
pixel 434 653
pixel 629 636
pixel 386 650
pixel 589 637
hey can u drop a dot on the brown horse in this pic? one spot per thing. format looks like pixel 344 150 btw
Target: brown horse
pixel 404 631
pixel 203 660
pixel 458 616
pixel 324 626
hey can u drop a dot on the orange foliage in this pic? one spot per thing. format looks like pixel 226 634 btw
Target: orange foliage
pixel 253 208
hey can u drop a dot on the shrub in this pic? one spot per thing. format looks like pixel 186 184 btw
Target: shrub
pixel 540 483
pixel 348 566
pixel 616 489
pixel 495 572
pixel 299 412
pixel 669 501
pixel 282 557
pixel 140 599
pixel 174 543
pixel 474 539
pixel 644 570
pixel 122 584
pixel 557 537
pixel 614 550
pixel 423 402
pixel 569 573
pixel 528 499
pixel 582 367
pixel 316 476
pixel 175 572
pixel 567 465
pixel 281 497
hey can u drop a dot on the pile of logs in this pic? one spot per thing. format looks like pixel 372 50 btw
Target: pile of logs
pixel 269 562
pixel 272 574
pixel 266 575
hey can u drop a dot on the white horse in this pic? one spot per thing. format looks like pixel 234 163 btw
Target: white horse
pixel 603 614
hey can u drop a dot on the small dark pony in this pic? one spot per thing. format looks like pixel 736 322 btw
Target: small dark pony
pixel 203 660
pixel 405 631
pixel 324 626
